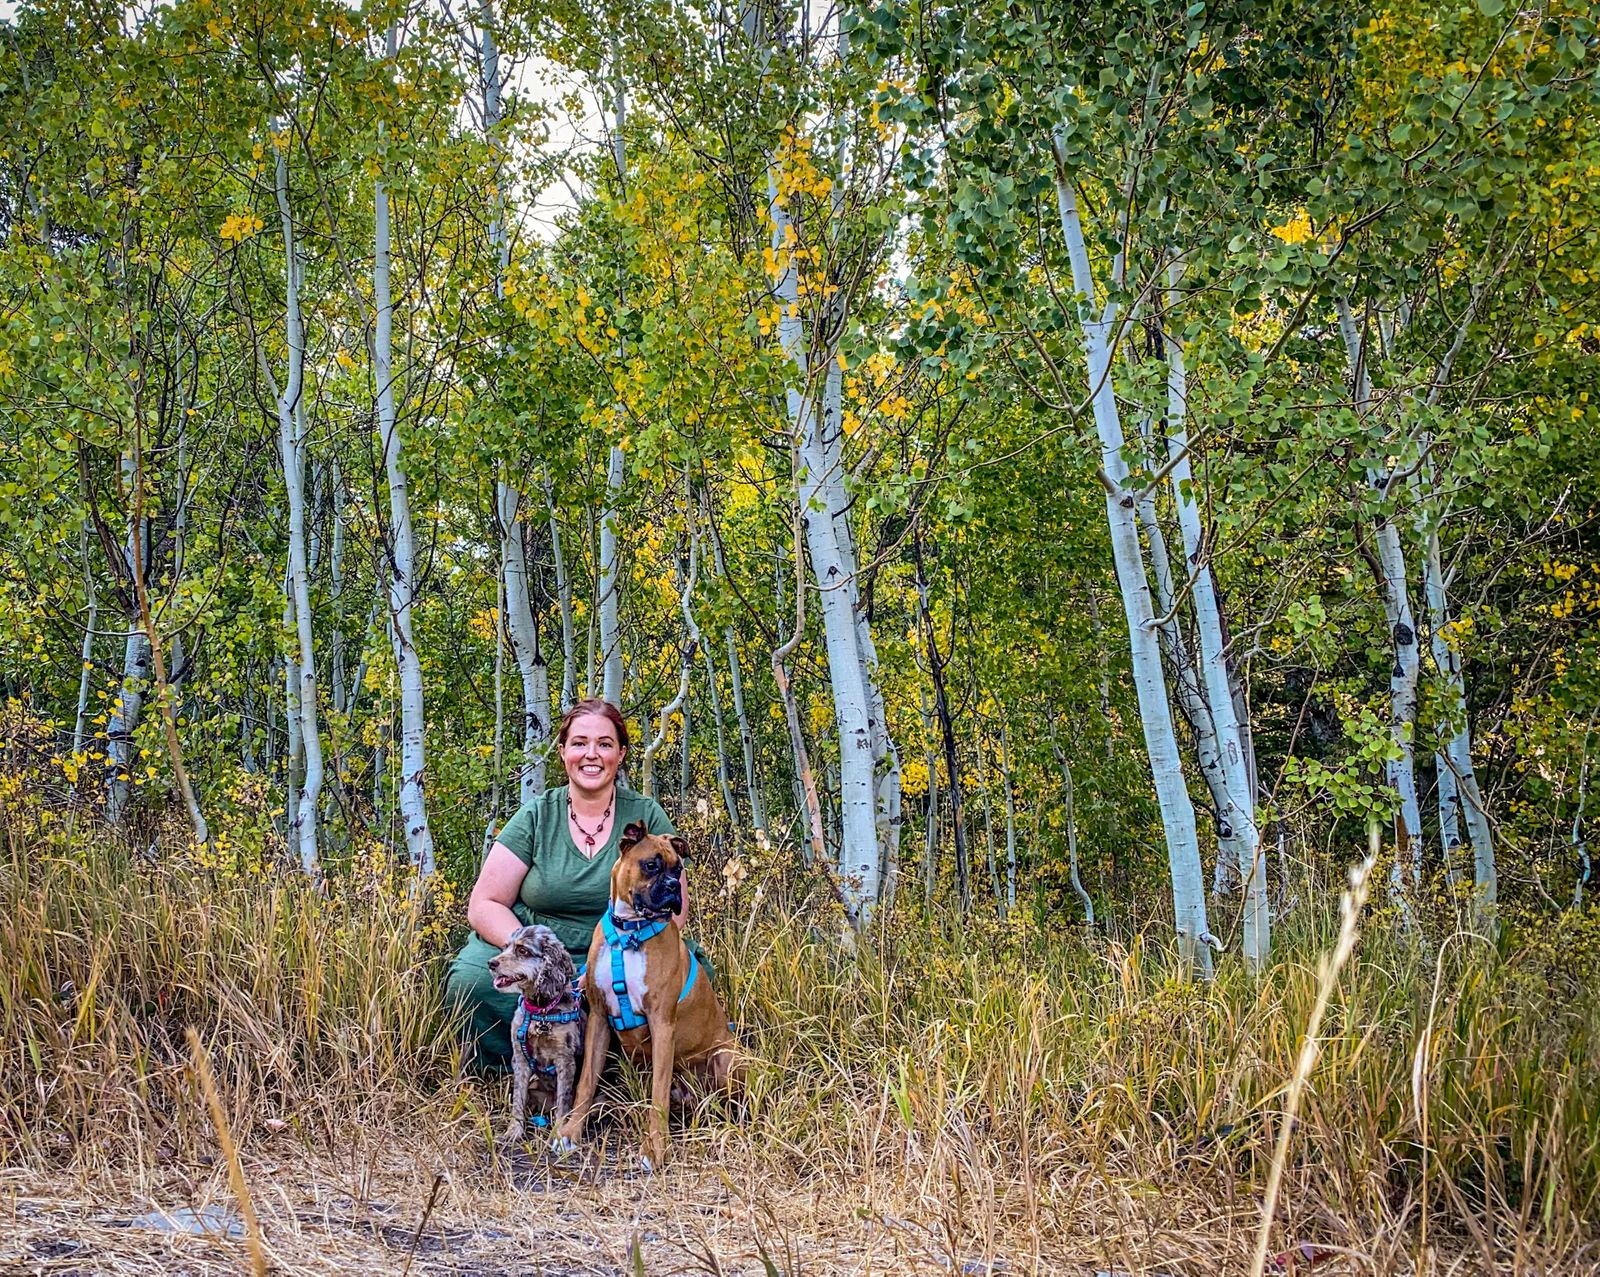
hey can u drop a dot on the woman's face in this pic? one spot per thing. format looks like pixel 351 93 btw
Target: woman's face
pixel 592 753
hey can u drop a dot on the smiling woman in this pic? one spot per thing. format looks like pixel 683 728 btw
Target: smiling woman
pixel 551 865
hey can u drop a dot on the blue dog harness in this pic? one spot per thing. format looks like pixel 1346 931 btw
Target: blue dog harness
pixel 622 934
pixel 530 1014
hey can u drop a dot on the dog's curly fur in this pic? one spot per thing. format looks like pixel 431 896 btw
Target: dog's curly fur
pixel 537 965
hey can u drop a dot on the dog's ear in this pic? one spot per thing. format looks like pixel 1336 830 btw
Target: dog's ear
pixel 680 844
pixel 633 833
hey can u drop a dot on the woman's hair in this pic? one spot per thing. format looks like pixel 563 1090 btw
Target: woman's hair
pixel 594 705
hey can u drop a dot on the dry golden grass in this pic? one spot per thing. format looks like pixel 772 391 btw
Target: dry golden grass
pixel 1011 1098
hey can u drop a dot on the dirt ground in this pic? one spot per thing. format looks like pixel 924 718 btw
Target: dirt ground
pixel 530 1215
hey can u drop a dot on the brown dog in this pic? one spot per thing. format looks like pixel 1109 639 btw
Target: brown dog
pixel 645 985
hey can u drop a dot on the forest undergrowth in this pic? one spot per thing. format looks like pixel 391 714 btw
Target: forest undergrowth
pixel 954 1094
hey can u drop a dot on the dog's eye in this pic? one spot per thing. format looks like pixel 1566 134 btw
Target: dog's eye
pixel 652 865
pixel 522 951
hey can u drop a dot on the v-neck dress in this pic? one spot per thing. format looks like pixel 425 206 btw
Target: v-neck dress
pixel 563 889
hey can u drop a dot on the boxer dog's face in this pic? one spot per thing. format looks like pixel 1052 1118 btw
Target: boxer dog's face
pixel 649 871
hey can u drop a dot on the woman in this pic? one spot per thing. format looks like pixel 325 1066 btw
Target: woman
pixel 551 864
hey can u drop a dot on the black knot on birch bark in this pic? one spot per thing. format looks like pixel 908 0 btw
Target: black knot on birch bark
pixel 1404 635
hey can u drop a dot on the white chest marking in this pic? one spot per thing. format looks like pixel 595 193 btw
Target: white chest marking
pixel 633 973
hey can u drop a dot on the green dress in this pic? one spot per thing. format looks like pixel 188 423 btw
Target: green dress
pixel 564 889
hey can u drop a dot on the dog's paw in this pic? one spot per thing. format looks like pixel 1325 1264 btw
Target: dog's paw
pixel 646 1164
pixel 560 1145
pixel 509 1139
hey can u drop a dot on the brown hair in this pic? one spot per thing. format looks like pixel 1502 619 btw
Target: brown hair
pixel 593 705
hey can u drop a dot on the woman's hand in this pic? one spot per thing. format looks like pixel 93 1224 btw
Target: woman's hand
pixel 489 905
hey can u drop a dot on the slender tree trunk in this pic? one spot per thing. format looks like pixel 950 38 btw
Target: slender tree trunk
pixel 294 726
pixel 91 617
pixel 1011 814
pixel 885 757
pixel 517 616
pixel 1177 814
pixel 336 652
pixel 1580 844
pixel 685 757
pixel 805 777
pixel 1458 779
pixel 941 709
pixel 498 750
pixel 1239 814
pixel 747 740
pixel 569 640
pixel 402 579
pixel 1406 870
pixel 610 572
pixel 593 609
pixel 1102 670
pixel 685 665
pixel 1070 803
pixel 138 527
pixel 302 818
pixel 858 853
pixel 724 782
pixel 991 861
pixel 524 632
pixel 1191 698
pixel 930 824
pixel 124 718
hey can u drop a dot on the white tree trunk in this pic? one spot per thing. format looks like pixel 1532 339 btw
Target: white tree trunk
pixel 91 617
pixel 124 721
pixel 1191 699
pixel 1070 801
pixel 747 740
pixel 610 570
pixel 1011 814
pixel 336 652
pixel 685 666
pixel 1403 678
pixel 569 639
pixel 531 665
pixel 724 782
pixel 809 805
pixel 497 751
pixel 124 718
pixel 859 859
pixel 302 818
pixel 1161 742
pixel 402 579
pixel 885 757
pixel 294 725
pixel 1580 844
pixel 611 585
pixel 1239 814
pixel 1460 800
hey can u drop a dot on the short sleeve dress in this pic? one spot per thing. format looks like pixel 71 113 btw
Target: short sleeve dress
pixel 563 889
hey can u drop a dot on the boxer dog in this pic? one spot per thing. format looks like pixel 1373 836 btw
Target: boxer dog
pixel 645 986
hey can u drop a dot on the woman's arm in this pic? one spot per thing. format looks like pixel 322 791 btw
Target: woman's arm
pixel 489 905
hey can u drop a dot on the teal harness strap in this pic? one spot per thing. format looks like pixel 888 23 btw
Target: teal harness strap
pixel 631 935
pixel 542 1015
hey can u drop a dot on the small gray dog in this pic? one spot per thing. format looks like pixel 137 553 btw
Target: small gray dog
pixel 547 1029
